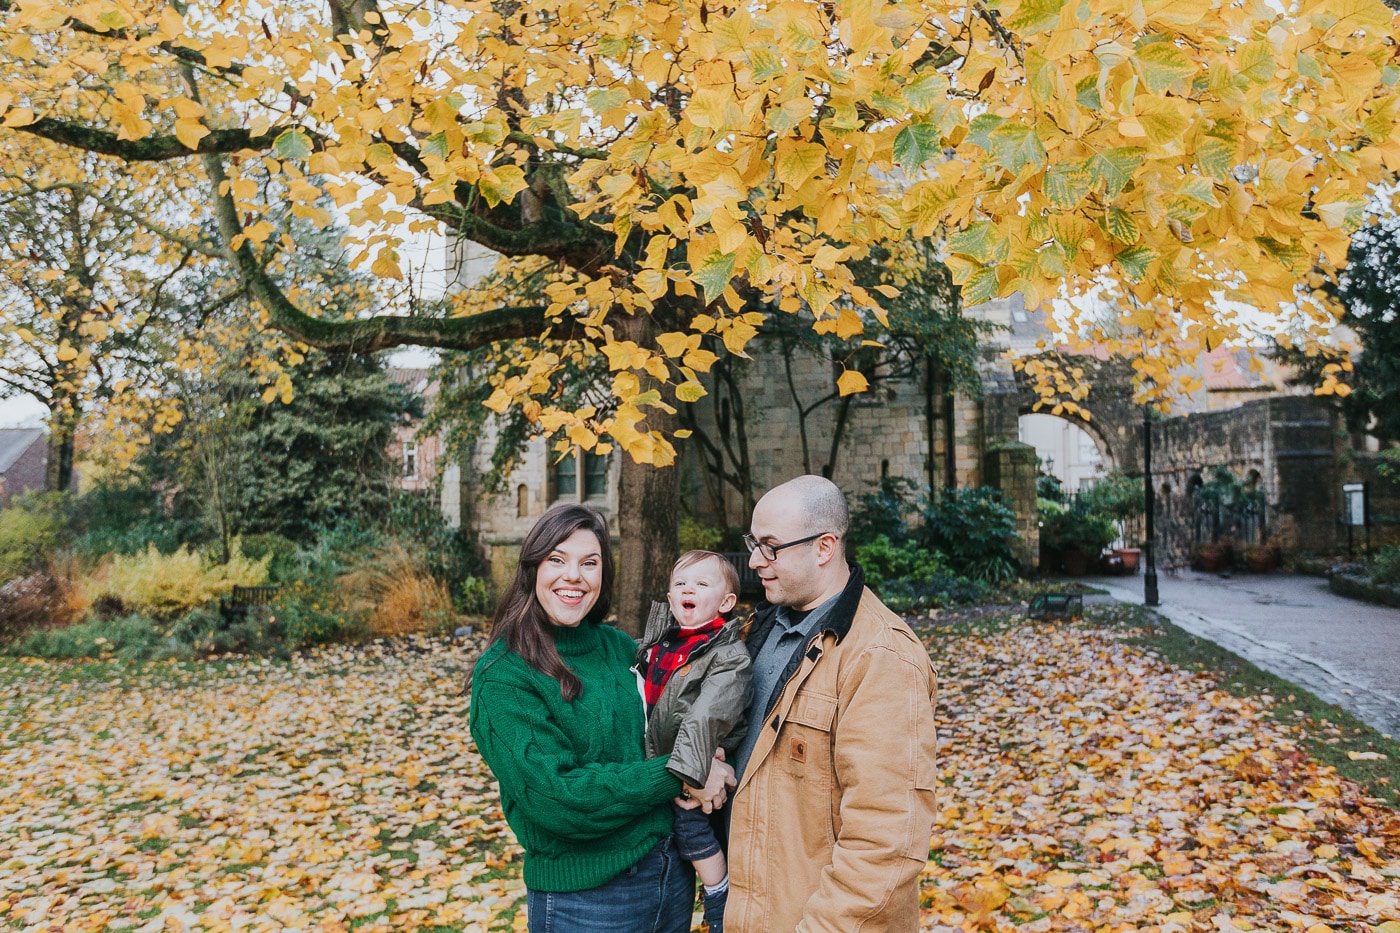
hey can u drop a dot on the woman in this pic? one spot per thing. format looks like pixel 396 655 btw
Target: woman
pixel 556 714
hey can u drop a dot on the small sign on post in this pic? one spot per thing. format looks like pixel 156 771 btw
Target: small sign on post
pixel 1354 504
pixel 1354 514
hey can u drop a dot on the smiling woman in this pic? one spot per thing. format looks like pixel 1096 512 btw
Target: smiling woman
pixel 556 714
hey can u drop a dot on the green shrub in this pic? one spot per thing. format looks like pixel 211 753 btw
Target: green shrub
pixel 1077 528
pixel 135 637
pixel 129 637
pixel 476 598
pixel 307 616
pixel 885 511
pixel 279 551
pixel 909 577
pixel 884 561
pixel 694 534
pixel 1116 495
pixel 1389 466
pixel 1049 488
pixel 30 529
pixel 128 518
pixel 451 554
pixel 974 529
pixel 1384 565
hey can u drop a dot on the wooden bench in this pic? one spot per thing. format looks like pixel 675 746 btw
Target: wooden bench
pixel 750 587
pixel 1056 606
pixel 235 606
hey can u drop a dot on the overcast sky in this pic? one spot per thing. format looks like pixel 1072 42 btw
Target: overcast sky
pixel 424 258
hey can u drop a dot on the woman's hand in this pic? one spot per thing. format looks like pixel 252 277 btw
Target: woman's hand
pixel 713 795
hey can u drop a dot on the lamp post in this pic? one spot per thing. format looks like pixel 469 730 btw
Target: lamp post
pixel 1149 575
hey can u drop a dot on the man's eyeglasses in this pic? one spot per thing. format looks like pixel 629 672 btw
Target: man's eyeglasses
pixel 770 551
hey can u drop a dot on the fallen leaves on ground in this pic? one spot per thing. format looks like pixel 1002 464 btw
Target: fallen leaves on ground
pixel 1086 786
pixel 337 791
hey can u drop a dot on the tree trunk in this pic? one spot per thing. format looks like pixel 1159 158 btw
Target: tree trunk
pixel 648 505
pixel 58 473
pixel 648 512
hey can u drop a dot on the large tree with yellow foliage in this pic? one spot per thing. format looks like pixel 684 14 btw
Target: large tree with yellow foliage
pixel 678 160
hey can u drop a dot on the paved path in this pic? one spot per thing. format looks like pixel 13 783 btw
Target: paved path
pixel 1343 650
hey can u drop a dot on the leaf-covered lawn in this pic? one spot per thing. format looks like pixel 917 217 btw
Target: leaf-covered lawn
pixel 1090 786
pixel 337 791
pixel 1086 786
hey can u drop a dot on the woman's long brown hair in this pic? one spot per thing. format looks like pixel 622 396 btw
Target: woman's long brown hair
pixel 520 620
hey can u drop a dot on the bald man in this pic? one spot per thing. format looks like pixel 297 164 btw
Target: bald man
pixel 830 822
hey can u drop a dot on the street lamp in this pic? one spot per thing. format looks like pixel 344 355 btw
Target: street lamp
pixel 1149 576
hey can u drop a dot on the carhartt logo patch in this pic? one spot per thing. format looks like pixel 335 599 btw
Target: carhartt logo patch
pixel 798 750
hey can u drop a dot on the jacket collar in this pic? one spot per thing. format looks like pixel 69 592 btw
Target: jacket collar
pixel 837 622
pixel 659 622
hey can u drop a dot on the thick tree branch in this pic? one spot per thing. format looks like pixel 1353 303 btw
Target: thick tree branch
pixel 379 332
pixel 148 148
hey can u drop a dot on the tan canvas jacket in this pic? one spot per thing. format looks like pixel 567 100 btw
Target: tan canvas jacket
pixel 832 817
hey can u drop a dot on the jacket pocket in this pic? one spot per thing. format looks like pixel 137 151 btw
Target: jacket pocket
pixel 804 744
pixel 814 710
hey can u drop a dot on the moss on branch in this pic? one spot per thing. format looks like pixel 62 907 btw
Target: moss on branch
pixel 148 148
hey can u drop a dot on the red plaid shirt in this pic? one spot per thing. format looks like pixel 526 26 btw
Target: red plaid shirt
pixel 671 652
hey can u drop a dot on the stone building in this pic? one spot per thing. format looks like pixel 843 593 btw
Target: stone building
pixel 900 429
pixel 1277 440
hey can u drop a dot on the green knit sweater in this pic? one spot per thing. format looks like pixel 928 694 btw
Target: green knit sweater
pixel 575 787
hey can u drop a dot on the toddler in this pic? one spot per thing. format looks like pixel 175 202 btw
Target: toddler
pixel 697 682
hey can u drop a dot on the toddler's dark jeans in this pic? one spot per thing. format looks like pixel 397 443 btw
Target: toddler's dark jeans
pixel 695 837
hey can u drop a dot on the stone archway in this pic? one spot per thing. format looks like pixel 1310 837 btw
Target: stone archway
pixel 1115 420
pixel 1115 425
pixel 1069 449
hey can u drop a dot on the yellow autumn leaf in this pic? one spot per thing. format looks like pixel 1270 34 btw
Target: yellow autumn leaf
pixel 852 381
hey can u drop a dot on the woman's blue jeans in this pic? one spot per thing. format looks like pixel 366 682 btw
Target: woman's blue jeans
pixel 653 896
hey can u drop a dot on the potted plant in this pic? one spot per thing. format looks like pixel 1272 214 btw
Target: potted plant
pixel 1131 558
pixel 1212 557
pixel 1262 558
pixel 1082 534
pixel 1121 498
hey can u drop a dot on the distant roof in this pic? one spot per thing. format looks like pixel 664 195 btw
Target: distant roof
pixel 1225 369
pixel 14 442
pixel 414 380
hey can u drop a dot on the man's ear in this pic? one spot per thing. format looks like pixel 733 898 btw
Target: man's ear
pixel 828 546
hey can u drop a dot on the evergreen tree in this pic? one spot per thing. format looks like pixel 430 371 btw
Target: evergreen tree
pixel 1369 289
pixel 324 457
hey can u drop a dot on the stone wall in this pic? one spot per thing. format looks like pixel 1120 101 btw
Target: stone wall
pixel 1285 446
pixel 1012 468
pixel 886 432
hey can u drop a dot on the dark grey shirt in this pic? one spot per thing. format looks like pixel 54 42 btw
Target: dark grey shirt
pixel 790 633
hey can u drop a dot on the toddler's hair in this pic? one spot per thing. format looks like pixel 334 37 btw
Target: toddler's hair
pixel 726 569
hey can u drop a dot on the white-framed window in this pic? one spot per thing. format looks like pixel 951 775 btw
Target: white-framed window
pixel 410 459
pixel 579 476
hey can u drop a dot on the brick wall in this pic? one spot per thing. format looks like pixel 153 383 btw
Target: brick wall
pixel 26 474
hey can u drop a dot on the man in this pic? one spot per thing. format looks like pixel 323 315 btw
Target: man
pixel 830 822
